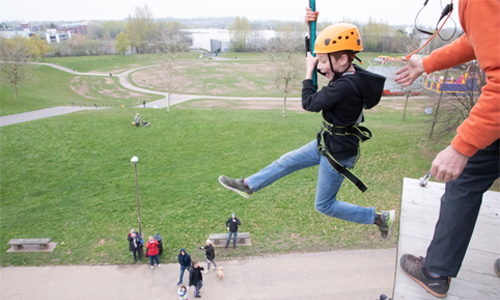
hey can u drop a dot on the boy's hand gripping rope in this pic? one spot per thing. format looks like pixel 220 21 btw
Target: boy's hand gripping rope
pixel 312 39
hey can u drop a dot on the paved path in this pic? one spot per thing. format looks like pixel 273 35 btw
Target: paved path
pixel 39 114
pixel 125 82
pixel 353 275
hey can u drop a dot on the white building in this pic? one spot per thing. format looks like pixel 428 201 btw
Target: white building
pixel 202 37
pixel 10 34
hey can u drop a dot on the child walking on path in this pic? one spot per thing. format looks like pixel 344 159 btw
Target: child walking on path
pixel 335 149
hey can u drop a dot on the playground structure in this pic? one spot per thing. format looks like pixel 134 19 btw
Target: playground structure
pixel 464 84
pixel 385 59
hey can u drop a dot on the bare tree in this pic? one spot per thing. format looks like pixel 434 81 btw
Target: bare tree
pixel 409 41
pixel 170 48
pixel 416 86
pixel 286 59
pixel 169 37
pixel 13 53
pixel 456 108
pixel 255 40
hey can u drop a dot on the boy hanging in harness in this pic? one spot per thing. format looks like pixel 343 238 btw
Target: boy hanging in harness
pixel 335 149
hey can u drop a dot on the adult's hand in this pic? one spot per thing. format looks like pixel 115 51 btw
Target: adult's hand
pixel 311 16
pixel 448 164
pixel 409 73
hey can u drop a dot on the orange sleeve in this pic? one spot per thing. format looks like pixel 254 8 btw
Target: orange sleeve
pixel 456 53
pixel 481 23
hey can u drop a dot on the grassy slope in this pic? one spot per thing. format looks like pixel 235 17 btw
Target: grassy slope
pixel 49 87
pixel 250 76
pixel 70 178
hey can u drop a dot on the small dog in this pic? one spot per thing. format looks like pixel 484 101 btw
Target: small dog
pixel 220 273
pixel 145 124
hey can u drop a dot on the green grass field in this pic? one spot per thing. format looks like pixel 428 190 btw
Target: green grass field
pixel 49 87
pixel 70 178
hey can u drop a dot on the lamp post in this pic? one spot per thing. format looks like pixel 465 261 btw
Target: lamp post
pixel 135 160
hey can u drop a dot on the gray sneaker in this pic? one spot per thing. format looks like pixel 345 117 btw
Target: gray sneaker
pixel 386 223
pixel 235 185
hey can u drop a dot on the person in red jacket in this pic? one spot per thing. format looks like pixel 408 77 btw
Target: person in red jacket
pixel 470 165
pixel 153 251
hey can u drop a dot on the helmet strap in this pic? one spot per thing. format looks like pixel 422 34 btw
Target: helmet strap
pixel 331 65
pixel 337 75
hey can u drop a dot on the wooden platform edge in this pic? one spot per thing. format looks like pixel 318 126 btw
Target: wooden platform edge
pixel 476 279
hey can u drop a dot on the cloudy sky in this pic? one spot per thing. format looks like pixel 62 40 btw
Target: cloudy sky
pixel 395 12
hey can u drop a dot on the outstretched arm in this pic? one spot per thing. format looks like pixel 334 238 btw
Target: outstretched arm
pixel 409 73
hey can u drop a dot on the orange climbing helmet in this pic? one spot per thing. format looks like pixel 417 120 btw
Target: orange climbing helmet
pixel 338 37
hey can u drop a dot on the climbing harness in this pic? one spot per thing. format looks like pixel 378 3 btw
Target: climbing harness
pixel 361 132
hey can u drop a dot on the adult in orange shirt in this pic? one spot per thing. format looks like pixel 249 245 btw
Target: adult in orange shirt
pixel 470 164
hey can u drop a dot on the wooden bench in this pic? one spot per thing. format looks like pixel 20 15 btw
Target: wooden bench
pixel 19 243
pixel 219 239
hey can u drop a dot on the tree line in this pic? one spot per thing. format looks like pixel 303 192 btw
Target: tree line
pixel 141 34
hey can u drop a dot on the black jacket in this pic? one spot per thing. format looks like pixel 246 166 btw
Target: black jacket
pixel 342 102
pixel 210 252
pixel 130 239
pixel 233 226
pixel 184 260
pixel 195 275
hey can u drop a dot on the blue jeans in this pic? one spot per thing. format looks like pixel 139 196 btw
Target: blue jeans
pixel 182 272
pixel 229 238
pixel 329 182
pixel 155 257
pixel 208 264
pixel 197 288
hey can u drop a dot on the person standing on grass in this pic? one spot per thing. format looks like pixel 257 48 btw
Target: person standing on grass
pixel 210 254
pixel 185 262
pixel 232 226
pixel 336 146
pixel 195 278
pixel 153 252
pixel 144 103
pixel 471 164
pixel 137 120
pixel 133 244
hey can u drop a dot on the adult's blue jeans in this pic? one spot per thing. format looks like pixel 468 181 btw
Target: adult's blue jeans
pixel 197 288
pixel 329 182
pixel 182 272
pixel 208 264
pixel 229 238
pixel 154 257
